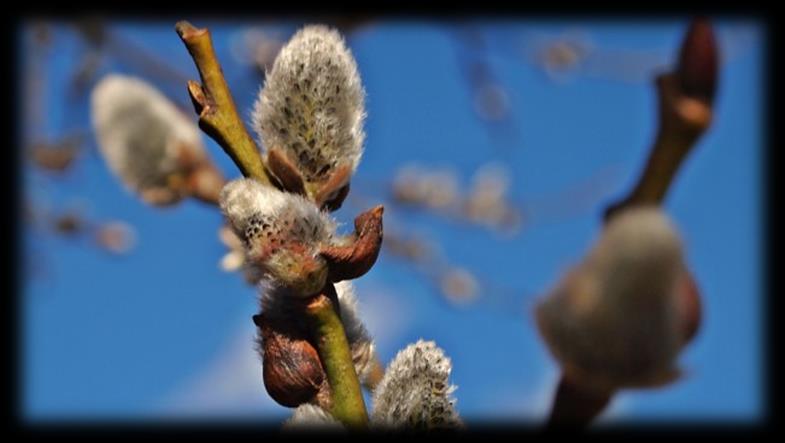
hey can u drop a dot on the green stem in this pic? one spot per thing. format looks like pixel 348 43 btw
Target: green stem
pixel 347 404
pixel 213 102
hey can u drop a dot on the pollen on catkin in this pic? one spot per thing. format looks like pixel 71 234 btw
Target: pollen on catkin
pixel 415 390
pixel 282 233
pixel 146 141
pixel 615 316
pixel 312 104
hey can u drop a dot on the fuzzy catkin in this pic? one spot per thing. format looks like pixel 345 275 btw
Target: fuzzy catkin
pixel 614 317
pixel 281 231
pixel 143 137
pixel 415 391
pixel 312 104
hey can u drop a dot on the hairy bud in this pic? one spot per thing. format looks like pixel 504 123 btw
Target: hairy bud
pixel 619 318
pixel 309 115
pixel 282 233
pixel 415 390
pixel 148 143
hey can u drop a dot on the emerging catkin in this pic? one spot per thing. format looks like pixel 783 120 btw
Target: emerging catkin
pixel 312 104
pixel 415 391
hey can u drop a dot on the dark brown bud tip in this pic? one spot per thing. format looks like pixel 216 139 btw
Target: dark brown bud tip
pixel 334 190
pixel 698 61
pixel 286 174
pixel 292 371
pixel 354 260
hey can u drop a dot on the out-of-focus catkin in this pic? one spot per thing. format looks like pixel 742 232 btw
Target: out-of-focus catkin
pixel 415 391
pixel 616 319
pixel 147 142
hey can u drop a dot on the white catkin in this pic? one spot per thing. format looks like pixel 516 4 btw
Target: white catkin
pixel 257 211
pixel 415 391
pixel 312 104
pixel 309 417
pixel 615 314
pixel 140 134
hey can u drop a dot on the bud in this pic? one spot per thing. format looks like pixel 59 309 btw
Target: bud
pixel 415 391
pixel 147 142
pixel 309 115
pixel 291 369
pixel 619 318
pixel 283 233
pixel 698 61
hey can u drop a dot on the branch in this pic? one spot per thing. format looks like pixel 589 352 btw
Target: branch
pixel 685 99
pixel 347 403
pixel 213 102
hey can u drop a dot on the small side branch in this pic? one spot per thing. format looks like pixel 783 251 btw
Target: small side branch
pixel 213 102
pixel 682 121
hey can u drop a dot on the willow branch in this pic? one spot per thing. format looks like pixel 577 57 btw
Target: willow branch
pixel 213 102
pixel 685 99
pixel 347 404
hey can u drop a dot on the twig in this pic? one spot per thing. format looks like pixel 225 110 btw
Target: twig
pixel 685 99
pixel 682 121
pixel 347 405
pixel 213 102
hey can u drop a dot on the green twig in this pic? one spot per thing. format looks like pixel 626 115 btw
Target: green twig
pixel 347 404
pixel 213 102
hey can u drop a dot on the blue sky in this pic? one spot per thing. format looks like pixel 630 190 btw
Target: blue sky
pixel 163 333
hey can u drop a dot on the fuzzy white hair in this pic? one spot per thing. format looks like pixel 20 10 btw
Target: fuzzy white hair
pixel 415 390
pixel 312 104
pixel 254 210
pixel 140 133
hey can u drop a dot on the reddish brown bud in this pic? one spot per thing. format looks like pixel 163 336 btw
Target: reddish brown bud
pixel 332 192
pixel 292 372
pixel 354 260
pixel 698 61
pixel 286 173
